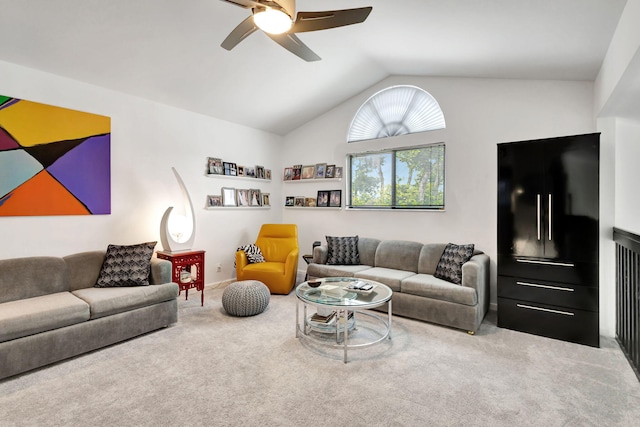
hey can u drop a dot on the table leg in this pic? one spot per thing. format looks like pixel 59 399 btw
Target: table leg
pixel 389 314
pixel 202 296
pixel 345 336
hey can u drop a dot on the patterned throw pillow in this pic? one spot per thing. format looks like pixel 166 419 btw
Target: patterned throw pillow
pixel 126 266
pixel 342 250
pixel 254 254
pixel 450 265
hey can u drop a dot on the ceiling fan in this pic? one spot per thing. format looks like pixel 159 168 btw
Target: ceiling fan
pixel 276 19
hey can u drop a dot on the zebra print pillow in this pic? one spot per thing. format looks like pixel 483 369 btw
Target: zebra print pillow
pixel 254 254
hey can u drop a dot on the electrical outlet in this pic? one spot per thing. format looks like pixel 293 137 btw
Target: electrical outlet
pixel 219 268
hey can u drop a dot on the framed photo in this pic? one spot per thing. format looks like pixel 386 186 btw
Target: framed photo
pixel 228 196
pixel 308 172
pixel 331 171
pixel 240 170
pixel 259 172
pixel 310 202
pixel 230 168
pixel 299 202
pixel 254 197
pixel 323 199
pixel 297 172
pixel 265 199
pixel 214 201
pixel 288 174
pixel 214 166
pixel 267 174
pixel 250 171
pixel 320 170
pixel 242 197
pixel 289 201
pixel 338 173
pixel 335 198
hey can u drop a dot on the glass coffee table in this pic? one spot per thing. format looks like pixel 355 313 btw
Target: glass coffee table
pixel 338 308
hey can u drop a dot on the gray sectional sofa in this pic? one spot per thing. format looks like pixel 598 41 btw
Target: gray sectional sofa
pixel 408 268
pixel 50 309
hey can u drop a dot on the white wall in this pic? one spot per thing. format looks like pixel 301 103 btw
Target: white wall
pixel 479 113
pixel 146 140
pixel 627 175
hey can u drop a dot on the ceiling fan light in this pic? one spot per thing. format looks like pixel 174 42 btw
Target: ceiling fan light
pixel 273 21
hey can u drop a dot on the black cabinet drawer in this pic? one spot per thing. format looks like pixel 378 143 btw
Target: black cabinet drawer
pixel 547 292
pixel 578 273
pixel 551 321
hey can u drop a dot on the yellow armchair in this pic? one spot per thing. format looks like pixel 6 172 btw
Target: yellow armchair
pixel 279 246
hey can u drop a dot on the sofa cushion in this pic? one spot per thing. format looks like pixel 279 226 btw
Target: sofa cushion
pixel 108 301
pixel 450 265
pixel 126 266
pixel 398 255
pixel 367 250
pixel 387 276
pixel 323 270
pixel 430 257
pixel 426 285
pixel 84 269
pixel 30 316
pixel 343 250
pixel 30 277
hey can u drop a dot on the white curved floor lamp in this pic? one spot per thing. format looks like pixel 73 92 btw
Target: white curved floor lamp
pixel 180 242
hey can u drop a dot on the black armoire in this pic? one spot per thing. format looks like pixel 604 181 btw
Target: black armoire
pixel 548 234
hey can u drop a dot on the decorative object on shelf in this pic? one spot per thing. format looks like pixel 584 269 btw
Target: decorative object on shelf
pixel 338 172
pixel 241 171
pixel 254 197
pixel 214 200
pixel 265 199
pixel 297 172
pixel 330 172
pixel 288 174
pixel 267 174
pixel 242 197
pixel 228 196
pixel 335 198
pixel 323 199
pixel 215 166
pixel 289 201
pixel 259 172
pixel 250 172
pixel 177 232
pixel 308 172
pixel 309 202
pixel 230 168
pixel 320 170
pixel 299 201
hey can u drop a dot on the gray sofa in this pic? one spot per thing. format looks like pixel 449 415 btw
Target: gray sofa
pixel 50 309
pixel 408 268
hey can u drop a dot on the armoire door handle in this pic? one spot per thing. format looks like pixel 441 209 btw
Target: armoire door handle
pixel 538 214
pixel 550 213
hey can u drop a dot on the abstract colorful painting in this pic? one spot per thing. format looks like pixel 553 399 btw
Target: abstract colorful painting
pixel 53 161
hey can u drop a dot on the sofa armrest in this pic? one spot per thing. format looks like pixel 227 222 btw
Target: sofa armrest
pixel 475 274
pixel 160 271
pixel 320 254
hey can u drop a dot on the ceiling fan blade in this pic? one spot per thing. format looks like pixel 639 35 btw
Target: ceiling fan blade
pixel 241 32
pixel 294 45
pixel 314 21
pixel 247 4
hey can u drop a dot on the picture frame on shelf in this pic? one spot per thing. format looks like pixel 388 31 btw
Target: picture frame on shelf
pixel 308 171
pixel 228 196
pixel 230 168
pixel 254 197
pixel 288 174
pixel 297 172
pixel 215 166
pixel 299 201
pixel 214 200
pixel 241 170
pixel 338 172
pixel 335 198
pixel 250 171
pixel 266 199
pixel 322 200
pixel 259 172
pixel 267 174
pixel 289 201
pixel 242 197
pixel 309 202
pixel 330 172
pixel 320 170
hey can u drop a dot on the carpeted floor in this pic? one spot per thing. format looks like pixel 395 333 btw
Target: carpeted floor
pixel 214 370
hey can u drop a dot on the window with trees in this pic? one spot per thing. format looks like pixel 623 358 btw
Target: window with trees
pixel 407 178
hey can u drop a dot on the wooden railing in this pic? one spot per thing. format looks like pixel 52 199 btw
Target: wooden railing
pixel 628 295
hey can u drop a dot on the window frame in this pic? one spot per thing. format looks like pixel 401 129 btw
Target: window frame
pixel 393 205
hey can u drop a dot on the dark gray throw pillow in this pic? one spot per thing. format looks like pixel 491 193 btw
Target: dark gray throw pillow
pixel 126 266
pixel 449 267
pixel 342 250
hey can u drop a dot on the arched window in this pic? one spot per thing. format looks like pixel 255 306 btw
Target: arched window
pixel 396 110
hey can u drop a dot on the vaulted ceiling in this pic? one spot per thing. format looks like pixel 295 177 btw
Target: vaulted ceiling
pixel 169 50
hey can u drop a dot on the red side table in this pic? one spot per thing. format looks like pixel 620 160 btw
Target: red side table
pixel 187 270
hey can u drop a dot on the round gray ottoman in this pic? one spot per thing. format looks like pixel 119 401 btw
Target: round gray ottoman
pixel 245 298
